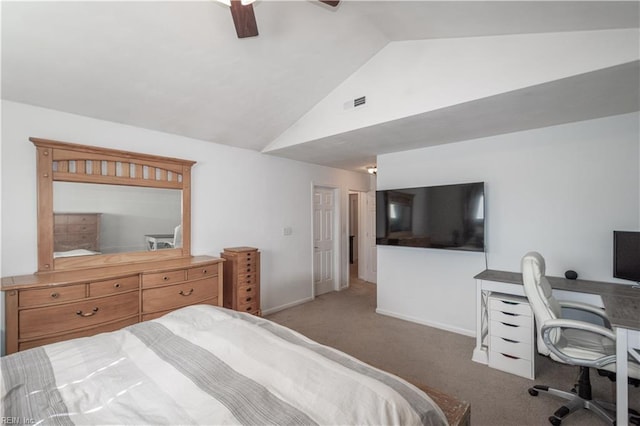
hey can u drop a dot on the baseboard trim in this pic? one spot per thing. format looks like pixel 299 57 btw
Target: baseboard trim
pixel 286 306
pixel 441 326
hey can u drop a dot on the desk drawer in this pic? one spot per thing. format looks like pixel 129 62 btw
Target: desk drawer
pixel 510 364
pixel 50 295
pixel 510 304
pixel 163 278
pixel 70 316
pixel 510 318
pixel 508 331
pixel 514 348
pixel 176 296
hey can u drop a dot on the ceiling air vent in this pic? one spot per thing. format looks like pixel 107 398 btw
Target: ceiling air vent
pixel 359 101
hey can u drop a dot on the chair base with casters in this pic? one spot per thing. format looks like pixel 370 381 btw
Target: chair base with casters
pixel 579 397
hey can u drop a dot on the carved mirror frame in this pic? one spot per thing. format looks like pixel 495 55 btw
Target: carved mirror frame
pixel 67 162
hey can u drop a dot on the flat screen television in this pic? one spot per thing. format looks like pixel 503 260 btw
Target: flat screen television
pixel 440 217
pixel 626 255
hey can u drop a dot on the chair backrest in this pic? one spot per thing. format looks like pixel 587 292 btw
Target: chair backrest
pixel 177 236
pixel 538 291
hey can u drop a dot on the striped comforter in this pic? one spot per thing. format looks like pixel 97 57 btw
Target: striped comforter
pixel 204 365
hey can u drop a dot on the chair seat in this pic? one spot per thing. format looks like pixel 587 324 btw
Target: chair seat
pixel 580 344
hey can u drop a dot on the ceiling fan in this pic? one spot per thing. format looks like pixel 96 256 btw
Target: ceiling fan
pixel 245 20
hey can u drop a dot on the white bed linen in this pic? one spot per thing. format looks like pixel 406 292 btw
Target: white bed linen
pixel 205 365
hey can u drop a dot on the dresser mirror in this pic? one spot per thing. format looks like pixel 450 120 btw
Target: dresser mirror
pixel 99 207
pixel 91 218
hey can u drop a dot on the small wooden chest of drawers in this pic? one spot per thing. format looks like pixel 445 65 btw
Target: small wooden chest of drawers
pixel 76 231
pixel 511 331
pixel 242 279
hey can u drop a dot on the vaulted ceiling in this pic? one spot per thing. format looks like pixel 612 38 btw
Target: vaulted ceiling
pixel 178 67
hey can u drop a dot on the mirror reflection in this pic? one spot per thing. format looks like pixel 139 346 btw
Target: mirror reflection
pixel 103 219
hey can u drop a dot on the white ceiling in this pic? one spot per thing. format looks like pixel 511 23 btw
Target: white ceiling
pixel 178 67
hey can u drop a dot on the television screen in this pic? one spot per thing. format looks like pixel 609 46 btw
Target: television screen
pixel 626 255
pixel 445 217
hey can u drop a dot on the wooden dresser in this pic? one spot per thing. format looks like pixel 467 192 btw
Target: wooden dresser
pixel 55 306
pixel 76 231
pixel 242 279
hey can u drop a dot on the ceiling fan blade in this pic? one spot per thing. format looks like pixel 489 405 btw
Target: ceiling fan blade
pixel 332 3
pixel 244 19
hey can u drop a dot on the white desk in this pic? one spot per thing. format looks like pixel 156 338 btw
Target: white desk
pixel 621 302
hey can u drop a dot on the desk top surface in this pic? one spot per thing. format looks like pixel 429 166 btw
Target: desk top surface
pixel 621 301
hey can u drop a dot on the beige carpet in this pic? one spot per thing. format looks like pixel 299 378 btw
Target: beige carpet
pixel 347 321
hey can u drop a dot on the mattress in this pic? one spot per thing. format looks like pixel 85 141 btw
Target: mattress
pixel 205 365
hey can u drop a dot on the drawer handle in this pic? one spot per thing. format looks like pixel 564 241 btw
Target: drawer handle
pixel 509 303
pixel 188 293
pixel 55 295
pixel 508 325
pixel 248 290
pixel 204 271
pixel 509 356
pixel 165 278
pixel 248 276
pixel 510 314
pixel 117 285
pixel 248 308
pixel 87 314
pixel 509 340
pixel 248 299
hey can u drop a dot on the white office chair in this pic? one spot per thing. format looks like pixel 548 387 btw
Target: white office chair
pixel 571 342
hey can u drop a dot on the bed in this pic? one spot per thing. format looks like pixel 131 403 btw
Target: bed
pixel 205 365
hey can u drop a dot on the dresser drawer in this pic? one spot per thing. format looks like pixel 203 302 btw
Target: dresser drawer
pixel 82 228
pixel 247 279
pixel 513 332
pixel 162 278
pixel 51 295
pixel 251 308
pixel 154 315
pixel 510 304
pixel 71 316
pixel 509 318
pixel 514 348
pixel 112 326
pixel 202 272
pixel 106 287
pixel 175 296
pixel 247 291
pixel 247 257
pixel 519 366
pixel 78 219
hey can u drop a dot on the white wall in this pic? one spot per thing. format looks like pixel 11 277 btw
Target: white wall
pixel 240 197
pixel 412 77
pixel 560 190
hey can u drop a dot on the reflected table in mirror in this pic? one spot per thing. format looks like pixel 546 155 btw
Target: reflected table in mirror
pixel 158 241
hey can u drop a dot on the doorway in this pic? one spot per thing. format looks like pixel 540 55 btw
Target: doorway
pixel 325 250
pixel 362 236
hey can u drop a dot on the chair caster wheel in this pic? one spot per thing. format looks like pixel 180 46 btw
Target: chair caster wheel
pixel 555 421
pixel 533 392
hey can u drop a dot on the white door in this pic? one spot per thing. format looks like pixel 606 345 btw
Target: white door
pixel 323 240
pixel 371 250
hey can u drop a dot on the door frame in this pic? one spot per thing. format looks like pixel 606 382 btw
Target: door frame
pixel 337 252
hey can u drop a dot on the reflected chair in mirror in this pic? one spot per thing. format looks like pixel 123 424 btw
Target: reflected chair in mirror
pixel 177 237
pixel 570 341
